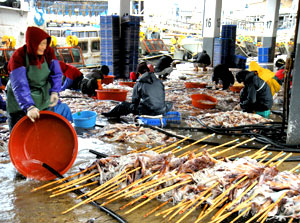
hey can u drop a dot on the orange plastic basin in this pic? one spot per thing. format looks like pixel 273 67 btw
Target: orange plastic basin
pixel 51 139
pixel 107 79
pixel 127 83
pixel 203 101
pixel 236 88
pixel 112 94
pixel 195 85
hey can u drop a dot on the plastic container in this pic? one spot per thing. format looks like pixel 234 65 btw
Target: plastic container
pixel 236 88
pixel 51 139
pixel 153 121
pixel 173 117
pixel 85 119
pixel 265 114
pixel 127 83
pixel 112 94
pixel 108 79
pixel 195 85
pixel 99 82
pixel 203 101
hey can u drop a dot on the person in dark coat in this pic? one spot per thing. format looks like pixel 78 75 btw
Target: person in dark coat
pixel 148 97
pixel 222 75
pixel 202 60
pixel 89 83
pixel 72 77
pixel 256 95
pixel 163 67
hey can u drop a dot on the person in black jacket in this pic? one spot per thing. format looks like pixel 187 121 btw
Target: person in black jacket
pixel 202 59
pixel 222 75
pixel 256 95
pixel 148 97
pixel 163 67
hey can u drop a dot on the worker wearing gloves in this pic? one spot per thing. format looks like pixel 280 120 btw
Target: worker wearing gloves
pixel 72 77
pixel 256 95
pixel 148 97
pixel 35 79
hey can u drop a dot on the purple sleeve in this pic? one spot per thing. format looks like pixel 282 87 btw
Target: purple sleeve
pixel 67 84
pixel 20 87
pixel 55 76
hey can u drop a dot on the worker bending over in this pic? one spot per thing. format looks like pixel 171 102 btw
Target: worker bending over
pixel 72 77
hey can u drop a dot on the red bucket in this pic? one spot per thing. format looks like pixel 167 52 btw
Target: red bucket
pixel 51 139
pixel 195 85
pixel 107 79
pixel 237 88
pixel 112 94
pixel 203 101
pixel 127 83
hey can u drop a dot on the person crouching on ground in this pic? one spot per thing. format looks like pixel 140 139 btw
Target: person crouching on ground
pixel 164 67
pixel 222 75
pixel 202 59
pixel 72 77
pixel 256 96
pixel 148 97
pixel 34 80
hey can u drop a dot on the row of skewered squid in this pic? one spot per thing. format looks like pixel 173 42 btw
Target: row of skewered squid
pixel 221 186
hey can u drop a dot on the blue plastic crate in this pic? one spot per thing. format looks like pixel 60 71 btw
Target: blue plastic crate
pixel 263 51
pixel 153 121
pixel 263 59
pixel 173 117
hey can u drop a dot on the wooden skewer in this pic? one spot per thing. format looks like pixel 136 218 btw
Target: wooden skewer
pixel 265 157
pixel 232 147
pixel 172 208
pixel 240 215
pixel 115 196
pixel 63 179
pixel 241 153
pixel 260 155
pixel 185 147
pixel 156 193
pixel 158 207
pixel 176 212
pixel 74 188
pixel 258 151
pixel 139 150
pixel 187 153
pixel 275 157
pixel 245 203
pixel 107 193
pixel 219 146
pixel 256 215
pixel 295 168
pixel 220 212
pixel 118 176
pixel 282 160
pixel 72 182
pixel 222 217
pixel 174 144
pixel 135 200
pixel 193 208
pixel 291 220
pixel 169 212
pixel 140 204
pixel 203 210
pixel 76 183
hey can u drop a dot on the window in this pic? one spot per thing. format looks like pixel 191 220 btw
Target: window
pixel 95 46
pixel 83 46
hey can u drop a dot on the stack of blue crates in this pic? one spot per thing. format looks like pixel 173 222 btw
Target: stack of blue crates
pixel 264 55
pixel 130 29
pixel 224 47
pixel 110 43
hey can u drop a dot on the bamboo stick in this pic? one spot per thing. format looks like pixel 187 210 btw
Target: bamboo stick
pixel 260 155
pixel 75 188
pixel 107 193
pixel 176 212
pixel 193 151
pixel 275 157
pixel 140 204
pixel 173 144
pixel 266 156
pixel 203 210
pixel 258 151
pixel 232 147
pixel 295 168
pixel 278 163
pixel 245 203
pixel 135 200
pixel 158 207
pixel 169 212
pixel 240 215
pixel 220 212
pixel 241 153
pixel 219 146
pixel 63 179
pixel 291 220
pixel 185 147
pixel 115 196
pixel 193 208
pixel 172 208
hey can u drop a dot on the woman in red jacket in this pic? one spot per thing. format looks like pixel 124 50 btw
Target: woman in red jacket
pixel 72 77
pixel 34 80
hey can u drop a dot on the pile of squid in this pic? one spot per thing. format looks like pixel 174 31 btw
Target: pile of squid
pixel 194 181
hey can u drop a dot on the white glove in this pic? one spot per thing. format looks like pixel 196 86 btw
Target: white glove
pixel 53 99
pixel 33 113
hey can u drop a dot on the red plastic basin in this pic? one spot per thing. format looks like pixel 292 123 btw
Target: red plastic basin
pixel 236 88
pixel 51 139
pixel 127 83
pixel 203 101
pixel 107 79
pixel 195 85
pixel 112 94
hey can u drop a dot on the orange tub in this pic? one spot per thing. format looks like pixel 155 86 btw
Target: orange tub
pixel 127 83
pixel 236 88
pixel 203 101
pixel 107 79
pixel 112 94
pixel 195 85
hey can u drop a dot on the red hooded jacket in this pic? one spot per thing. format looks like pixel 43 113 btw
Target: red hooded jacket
pixel 69 71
